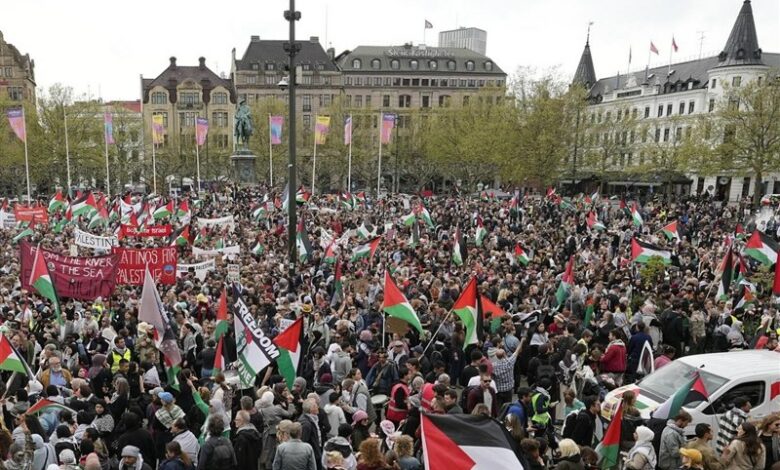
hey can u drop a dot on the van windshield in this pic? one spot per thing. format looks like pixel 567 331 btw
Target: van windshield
pixel 667 380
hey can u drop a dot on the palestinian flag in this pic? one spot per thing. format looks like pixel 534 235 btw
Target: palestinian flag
pixel 739 232
pixel 285 197
pixel 590 305
pixel 622 205
pixel 258 249
pixel 99 217
pixel 219 358
pixel 396 305
pixel 365 250
pixel 467 309
pixel 59 226
pixel 521 256
pixel 641 252
pixel 221 244
pixel 180 237
pixel 221 327
pixel 183 212
pixel 163 211
pixel 761 247
pixel 28 232
pixel 481 233
pixel 84 205
pixel 776 284
pixel 636 216
pixel 409 219
pixel 727 271
pixel 200 237
pixel 466 442
pixel 567 282
pixel 691 391
pixel 365 232
pixel 302 196
pixel 330 253
pixel 747 295
pixel 338 287
pixel 550 192
pixel 423 213
pixel 458 248
pixel 290 344
pixel 491 312
pixel 609 447
pixel 58 202
pixel 302 243
pixel 40 280
pixel 260 212
pixel 740 269
pixel 152 312
pixel 348 201
pixel 11 360
pixel 44 405
pixel 593 222
pixel 670 230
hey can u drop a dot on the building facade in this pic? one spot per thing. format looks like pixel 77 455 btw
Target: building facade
pixel 473 39
pixel 655 108
pixel 180 94
pixel 17 73
pixel 265 63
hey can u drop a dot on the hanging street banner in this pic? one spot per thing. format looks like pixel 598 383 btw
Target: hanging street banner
pixel 27 214
pixel 149 231
pixel 133 261
pixel 201 269
pixel 226 221
pixel 81 278
pixel 87 240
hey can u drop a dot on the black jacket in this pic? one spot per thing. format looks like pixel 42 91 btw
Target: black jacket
pixel 247 445
pixel 584 428
pixel 310 435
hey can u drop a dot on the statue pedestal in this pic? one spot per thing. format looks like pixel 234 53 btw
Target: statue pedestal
pixel 244 166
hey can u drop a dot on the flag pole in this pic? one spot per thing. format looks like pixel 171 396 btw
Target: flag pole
pixel 108 175
pixel 671 50
pixel 154 165
pixel 379 165
pixel 26 158
pixel 349 157
pixel 67 147
pixel 270 153
pixel 314 158
pixel 197 156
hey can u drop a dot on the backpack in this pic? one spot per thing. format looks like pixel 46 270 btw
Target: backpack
pixel 464 397
pixel 222 455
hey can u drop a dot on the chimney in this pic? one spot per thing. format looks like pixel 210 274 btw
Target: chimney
pixel 173 62
pixel 255 38
pixel 201 63
pixel 331 53
pixel 314 39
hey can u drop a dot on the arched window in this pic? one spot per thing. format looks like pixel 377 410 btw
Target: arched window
pixel 376 64
pixel 394 64
pixel 356 63
pixel 470 65
pixel 159 97
pixel 413 64
pixel 450 65
pixel 433 65
pixel 489 66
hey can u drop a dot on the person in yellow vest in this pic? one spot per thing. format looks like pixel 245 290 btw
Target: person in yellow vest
pixel 118 352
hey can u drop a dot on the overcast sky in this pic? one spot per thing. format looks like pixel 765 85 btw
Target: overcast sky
pixel 104 46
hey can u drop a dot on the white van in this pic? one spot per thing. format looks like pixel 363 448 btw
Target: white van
pixel 754 374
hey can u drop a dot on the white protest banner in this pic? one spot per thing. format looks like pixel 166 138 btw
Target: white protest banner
pixel 7 220
pixel 228 250
pixel 226 221
pixel 233 273
pixel 87 240
pixel 201 269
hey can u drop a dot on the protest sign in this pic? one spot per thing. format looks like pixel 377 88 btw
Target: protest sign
pixel 226 221
pixel 233 273
pixel 27 214
pixel 82 278
pixel 87 240
pixel 229 250
pixel 150 231
pixel 201 269
pixel 133 261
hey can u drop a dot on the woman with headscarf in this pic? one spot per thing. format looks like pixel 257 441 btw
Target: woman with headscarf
pixel 642 456
pixel 272 415
pixel 216 408
pixel 44 454
pixel 103 422
pixel 120 398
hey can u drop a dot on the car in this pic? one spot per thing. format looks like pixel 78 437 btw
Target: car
pixel 726 376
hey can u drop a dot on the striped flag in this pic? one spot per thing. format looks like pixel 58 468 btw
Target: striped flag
pixel 276 129
pixel 158 129
pixel 201 130
pixel 396 305
pixel 108 127
pixel 653 49
pixel 762 247
pixel 40 280
pixel 291 344
pixel 468 310
pixel 726 269
pixel 670 230
pixel 567 282
pixel 388 123
pixel 17 122
pixel 609 447
pixel 11 360
pixel 636 216
pixel 348 130
pixel 641 252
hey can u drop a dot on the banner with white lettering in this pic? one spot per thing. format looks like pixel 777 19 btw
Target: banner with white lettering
pixel 228 250
pixel 226 221
pixel 133 263
pixel 201 269
pixel 87 240
pixel 7 220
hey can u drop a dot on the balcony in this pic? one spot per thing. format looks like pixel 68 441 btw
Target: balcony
pixel 192 106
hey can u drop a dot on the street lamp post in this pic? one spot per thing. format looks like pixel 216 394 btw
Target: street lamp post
pixel 292 48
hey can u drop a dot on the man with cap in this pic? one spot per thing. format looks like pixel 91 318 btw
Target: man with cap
pixel 132 459
pixel 163 421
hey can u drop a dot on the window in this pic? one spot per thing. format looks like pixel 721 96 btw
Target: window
pixel 358 101
pixel 251 79
pixel 600 116
pixel 609 116
pixel 164 118
pixel 358 81
pixel 425 82
pixel 489 66
pixel 481 83
pixel 270 66
pixel 714 83
pixel 469 65
pixel 736 81
pixel 451 65
pixel 657 134
pixel 306 80
pixel 682 108
pixel 348 101
pixel 404 101
pixel 426 101
pixel 220 119
pixel 388 81
pixel 368 101
pixel 307 103
pixel 324 101
pixel 634 113
pixel 376 64
pixel 377 81
pixel 413 64
pixel 415 82
pixel 443 82
pixel 444 101
pixel 307 122
pixel 407 81
pixel 633 136
pixel 712 105
pixel 754 391
pixel 691 105
pixel 647 112
pixel 472 83
pixel 396 81
pixel 386 101
pixel 186 120
pixel 434 82
pixel 678 133
pixel 395 64
pixel 348 81
pixel 188 97
pixel 255 66
pixel 159 97
pixel 660 110
pixel 666 135
pixel 9 72
pixel 271 80
pixel 669 109
pixel 462 82
pixel 305 67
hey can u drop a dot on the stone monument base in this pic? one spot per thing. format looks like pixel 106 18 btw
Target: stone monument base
pixel 244 167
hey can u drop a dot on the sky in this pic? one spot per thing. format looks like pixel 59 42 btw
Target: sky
pixel 102 48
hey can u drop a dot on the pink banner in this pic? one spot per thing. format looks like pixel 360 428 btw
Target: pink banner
pixel 201 130
pixel 348 130
pixel 388 123
pixel 276 129
pixel 108 124
pixel 16 120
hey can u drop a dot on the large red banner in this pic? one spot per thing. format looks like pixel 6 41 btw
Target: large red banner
pixel 82 278
pixel 151 231
pixel 133 261
pixel 27 214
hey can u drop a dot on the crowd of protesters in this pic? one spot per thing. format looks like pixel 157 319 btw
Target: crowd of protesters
pixel 363 384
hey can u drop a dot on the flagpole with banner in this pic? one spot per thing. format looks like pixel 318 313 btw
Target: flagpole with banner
pixel 348 136
pixel 672 49
pixel 18 123
pixel 108 134
pixel 67 147
pixel 201 131
pixel 270 152
pixel 314 156
pixel 379 165
pixel 154 159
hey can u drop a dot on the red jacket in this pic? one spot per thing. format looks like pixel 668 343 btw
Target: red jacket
pixel 614 359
